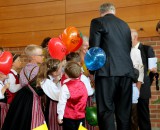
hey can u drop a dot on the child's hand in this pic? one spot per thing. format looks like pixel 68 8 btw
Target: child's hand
pixel 7 85
pixel 60 121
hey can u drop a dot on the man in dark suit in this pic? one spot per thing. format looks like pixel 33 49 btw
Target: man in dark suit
pixel 145 89
pixel 113 82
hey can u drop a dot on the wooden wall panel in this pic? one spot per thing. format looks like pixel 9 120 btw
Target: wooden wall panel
pixel 90 5
pixel 80 19
pixel 32 10
pixel 32 24
pixel 145 29
pixel 29 21
pixel 81 5
pixel 139 13
pixel 84 30
pixel 20 2
pixel 129 14
pixel 23 39
pixel 126 3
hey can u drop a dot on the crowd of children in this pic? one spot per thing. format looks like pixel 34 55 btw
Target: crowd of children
pixel 46 89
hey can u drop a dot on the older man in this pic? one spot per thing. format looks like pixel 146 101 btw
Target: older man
pixel 114 80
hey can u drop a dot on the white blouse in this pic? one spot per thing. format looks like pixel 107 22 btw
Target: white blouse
pixel 11 79
pixel 51 89
pixel 1 86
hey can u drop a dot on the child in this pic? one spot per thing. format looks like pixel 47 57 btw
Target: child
pixel 72 99
pixel 49 76
pixel 35 56
pixel 49 79
pixel 25 112
pixel 74 56
pixel 13 78
pixel 44 45
pixel 3 98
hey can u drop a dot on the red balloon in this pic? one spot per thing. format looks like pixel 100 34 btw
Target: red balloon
pixel 71 39
pixel 56 48
pixel 6 61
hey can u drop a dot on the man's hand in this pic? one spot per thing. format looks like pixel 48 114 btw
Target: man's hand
pixel 153 70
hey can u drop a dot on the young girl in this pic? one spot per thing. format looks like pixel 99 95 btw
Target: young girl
pixel 3 98
pixel 72 99
pixel 13 78
pixel 25 112
pixel 49 79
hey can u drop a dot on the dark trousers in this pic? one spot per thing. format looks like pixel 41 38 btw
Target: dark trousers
pixel 134 117
pixel 70 124
pixel 114 97
pixel 143 114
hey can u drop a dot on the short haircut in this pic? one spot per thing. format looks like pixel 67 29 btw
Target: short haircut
pixel 107 7
pixel 73 69
pixel 73 56
pixel 31 50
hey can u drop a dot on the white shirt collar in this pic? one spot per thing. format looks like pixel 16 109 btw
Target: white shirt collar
pixel 14 72
pixel 136 46
pixel 68 79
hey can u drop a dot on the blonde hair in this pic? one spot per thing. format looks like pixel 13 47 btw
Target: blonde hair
pixel 73 69
pixel 46 68
pixel 31 50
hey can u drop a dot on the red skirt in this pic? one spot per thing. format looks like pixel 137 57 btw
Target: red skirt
pixel 3 112
pixel 53 122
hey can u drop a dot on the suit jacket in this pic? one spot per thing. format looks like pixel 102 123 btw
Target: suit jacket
pixel 146 52
pixel 114 37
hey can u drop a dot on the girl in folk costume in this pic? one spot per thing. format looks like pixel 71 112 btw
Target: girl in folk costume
pixel 3 98
pixel 28 114
pixel 72 99
pixel 49 79
pixel 13 78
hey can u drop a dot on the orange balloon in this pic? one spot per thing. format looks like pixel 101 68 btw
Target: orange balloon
pixel 71 39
